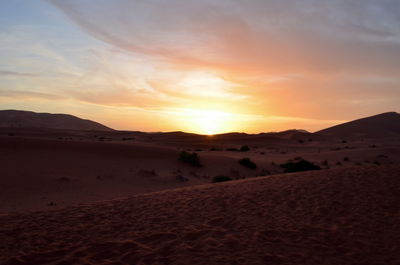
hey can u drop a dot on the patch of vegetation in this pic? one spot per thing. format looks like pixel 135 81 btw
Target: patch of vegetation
pixel 181 178
pixel 246 162
pixel 63 179
pixel 214 149
pixel 302 165
pixel 220 179
pixel 190 158
pixel 325 163
pixel 244 148
pixel 265 172
pixel 346 159
pixel 232 149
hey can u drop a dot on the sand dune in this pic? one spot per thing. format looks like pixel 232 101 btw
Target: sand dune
pixel 48 173
pixel 46 169
pixel 379 126
pixel 29 119
pixel 117 197
pixel 339 216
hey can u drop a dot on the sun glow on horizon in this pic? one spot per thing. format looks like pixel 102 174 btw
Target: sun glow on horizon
pixel 205 121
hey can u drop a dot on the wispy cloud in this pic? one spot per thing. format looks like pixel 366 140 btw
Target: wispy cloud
pixel 17 74
pixel 251 36
pixel 311 60
pixel 15 94
pixel 298 48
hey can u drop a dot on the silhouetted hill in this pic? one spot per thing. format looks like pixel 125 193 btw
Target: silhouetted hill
pixel 29 119
pixel 382 125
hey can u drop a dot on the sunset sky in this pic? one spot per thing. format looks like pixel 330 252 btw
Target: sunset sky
pixel 204 66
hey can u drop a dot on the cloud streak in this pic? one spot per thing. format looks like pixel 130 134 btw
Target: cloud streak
pixel 29 95
pixel 270 36
pixel 17 74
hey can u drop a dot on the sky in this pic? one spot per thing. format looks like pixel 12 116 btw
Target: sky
pixel 202 66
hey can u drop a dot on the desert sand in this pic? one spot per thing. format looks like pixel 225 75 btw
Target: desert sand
pixel 336 216
pixel 47 169
pixel 121 197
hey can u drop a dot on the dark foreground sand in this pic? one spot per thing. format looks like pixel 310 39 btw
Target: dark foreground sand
pixel 338 216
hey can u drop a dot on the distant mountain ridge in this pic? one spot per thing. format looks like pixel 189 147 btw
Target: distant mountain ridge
pixel 30 119
pixel 381 125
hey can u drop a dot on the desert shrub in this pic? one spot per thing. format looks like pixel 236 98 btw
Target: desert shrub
pixel 325 163
pixel 232 149
pixel 220 179
pixel 345 159
pixel 265 172
pixel 339 163
pixel 181 178
pixel 190 158
pixel 63 179
pixel 214 149
pixel 302 165
pixel 244 148
pixel 246 162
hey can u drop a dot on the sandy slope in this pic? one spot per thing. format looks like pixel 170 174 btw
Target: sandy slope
pixel 45 169
pixel 46 173
pixel 338 216
pixel 380 126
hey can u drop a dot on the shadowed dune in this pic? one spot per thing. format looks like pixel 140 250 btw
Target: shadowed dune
pixel 338 216
pixel 378 126
pixel 29 119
